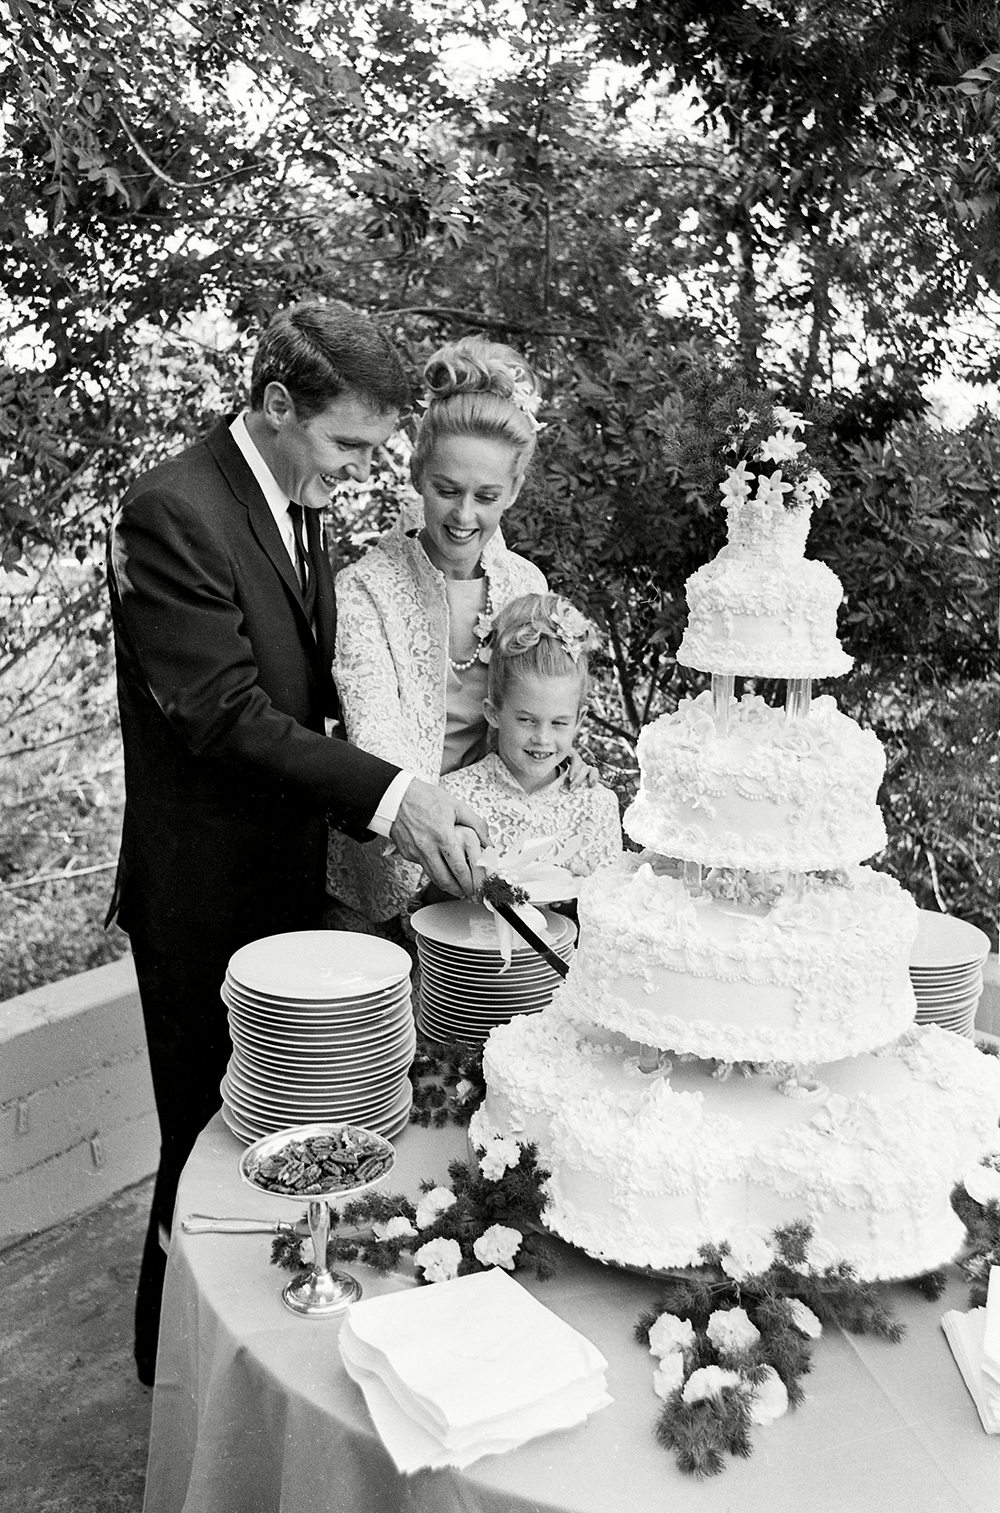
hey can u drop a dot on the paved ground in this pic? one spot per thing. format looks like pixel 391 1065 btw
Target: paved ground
pixel 74 1421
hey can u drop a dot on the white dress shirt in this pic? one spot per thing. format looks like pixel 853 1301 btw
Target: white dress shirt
pixel 278 501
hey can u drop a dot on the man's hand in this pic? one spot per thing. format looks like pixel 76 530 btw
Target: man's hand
pixel 441 833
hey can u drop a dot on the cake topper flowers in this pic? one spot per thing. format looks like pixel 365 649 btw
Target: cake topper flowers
pixel 739 438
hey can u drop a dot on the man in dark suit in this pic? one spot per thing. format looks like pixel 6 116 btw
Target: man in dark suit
pixel 223 610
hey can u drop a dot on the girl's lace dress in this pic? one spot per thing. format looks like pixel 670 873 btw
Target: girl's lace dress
pixel 513 815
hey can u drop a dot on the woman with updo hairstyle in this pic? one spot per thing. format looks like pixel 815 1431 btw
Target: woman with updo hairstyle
pixel 536 702
pixel 414 612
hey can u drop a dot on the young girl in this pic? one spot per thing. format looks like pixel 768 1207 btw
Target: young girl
pixel 535 703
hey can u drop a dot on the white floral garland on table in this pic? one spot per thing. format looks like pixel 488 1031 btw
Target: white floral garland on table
pixel 730 1339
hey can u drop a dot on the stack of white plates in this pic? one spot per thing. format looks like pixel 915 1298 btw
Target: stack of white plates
pixel 946 970
pixel 322 1030
pixel 464 990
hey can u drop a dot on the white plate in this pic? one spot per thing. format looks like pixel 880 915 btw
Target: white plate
pixel 436 950
pixel 485 1015
pixel 944 941
pixel 319 964
pixel 278 1000
pixel 314 1011
pixel 518 971
pixel 450 924
pixel 321 1060
pixel 335 1082
pixel 270 1082
pixel 934 981
pixel 344 1111
pixel 483 1003
pixel 233 1122
pixel 358 1001
pixel 344 1042
pixel 959 1000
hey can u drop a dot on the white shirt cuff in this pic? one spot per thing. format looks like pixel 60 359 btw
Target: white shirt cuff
pixel 384 817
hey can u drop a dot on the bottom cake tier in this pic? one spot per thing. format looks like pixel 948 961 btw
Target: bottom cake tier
pixel 646 1169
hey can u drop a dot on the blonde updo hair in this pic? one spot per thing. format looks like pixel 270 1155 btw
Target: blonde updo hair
pixel 540 634
pixel 478 388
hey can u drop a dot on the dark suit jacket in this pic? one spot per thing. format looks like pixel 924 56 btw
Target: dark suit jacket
pixel 224 692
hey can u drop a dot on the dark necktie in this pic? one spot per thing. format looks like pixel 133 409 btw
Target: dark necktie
pixel 303 562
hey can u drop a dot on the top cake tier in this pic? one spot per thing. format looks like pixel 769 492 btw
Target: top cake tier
pixel 760 608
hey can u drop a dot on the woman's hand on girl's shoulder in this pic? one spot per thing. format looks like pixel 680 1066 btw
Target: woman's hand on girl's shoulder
pixel 579 772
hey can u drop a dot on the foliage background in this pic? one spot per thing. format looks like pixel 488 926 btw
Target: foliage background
pixel 808 188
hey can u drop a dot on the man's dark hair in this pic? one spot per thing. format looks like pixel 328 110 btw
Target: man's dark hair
pixel 320 351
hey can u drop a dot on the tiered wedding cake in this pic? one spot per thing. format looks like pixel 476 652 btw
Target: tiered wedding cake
pixel 734 1050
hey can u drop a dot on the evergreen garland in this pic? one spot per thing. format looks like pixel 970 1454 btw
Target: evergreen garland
pixel 448 1083
pixel 982 1236
pixel 701 1433
pixel 515 1200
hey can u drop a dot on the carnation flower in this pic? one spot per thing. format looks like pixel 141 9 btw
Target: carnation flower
pixel 708 1381
pixel 804 1320
pixel 769 1400
pixel 463 1088
pixel 307 1253
pixel 748 1256
pixel 440 1259
pixel 731 1330
pixel 499 1153
pixel 982 1183
pixel 669 1374
pixel 432 1205
pixel 393 1229
pixel 497 1246
pixel 670 1334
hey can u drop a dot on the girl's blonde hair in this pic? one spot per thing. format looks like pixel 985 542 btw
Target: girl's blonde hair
pixel 478 388
pixel 540 634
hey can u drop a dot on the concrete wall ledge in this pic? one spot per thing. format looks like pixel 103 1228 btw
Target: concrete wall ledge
pixel 77 1117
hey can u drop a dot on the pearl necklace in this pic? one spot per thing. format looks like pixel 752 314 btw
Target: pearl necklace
pixel 464 666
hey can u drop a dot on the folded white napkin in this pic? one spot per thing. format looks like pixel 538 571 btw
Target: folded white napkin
pixel 465 1368
pixel 974 1338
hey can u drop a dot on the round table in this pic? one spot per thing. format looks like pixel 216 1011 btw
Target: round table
pixel 253 1411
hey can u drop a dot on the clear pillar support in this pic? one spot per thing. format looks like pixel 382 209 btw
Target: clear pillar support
pixel 723 684
pixel 798 696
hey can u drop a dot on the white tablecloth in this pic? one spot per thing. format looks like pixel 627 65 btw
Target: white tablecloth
pixel 253 1411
